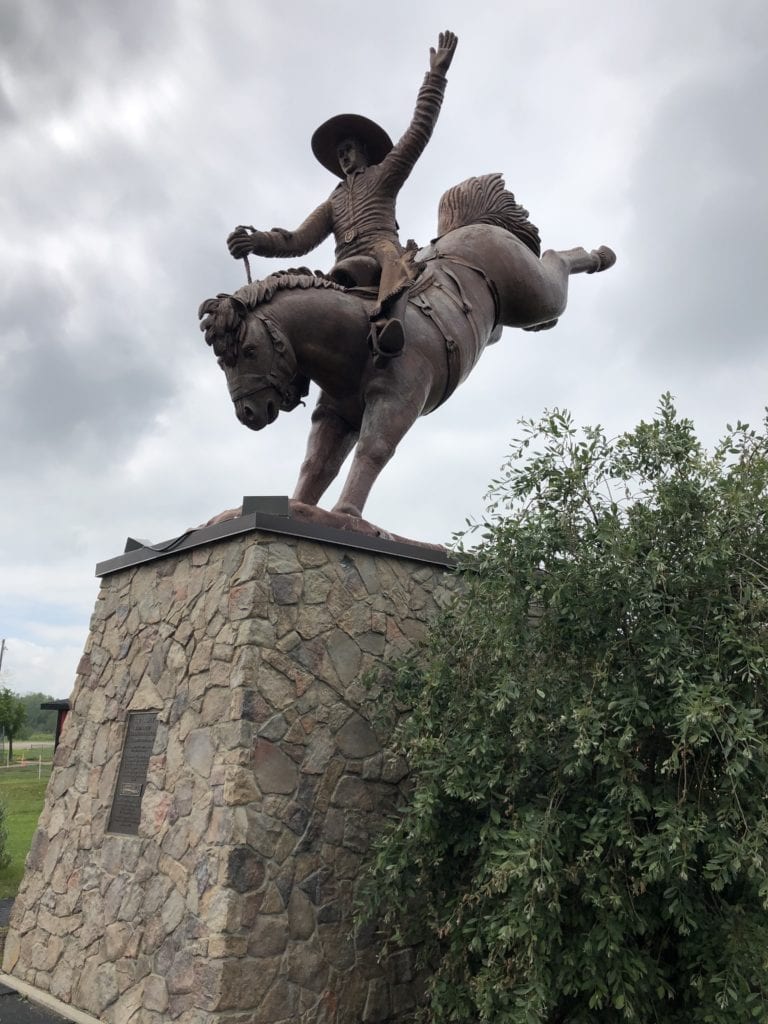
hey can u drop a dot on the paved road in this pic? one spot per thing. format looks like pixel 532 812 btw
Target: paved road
pixel 15 1010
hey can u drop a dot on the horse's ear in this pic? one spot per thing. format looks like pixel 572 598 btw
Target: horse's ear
pixel 239 305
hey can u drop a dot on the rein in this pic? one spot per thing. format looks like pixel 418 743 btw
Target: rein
pixel 283 374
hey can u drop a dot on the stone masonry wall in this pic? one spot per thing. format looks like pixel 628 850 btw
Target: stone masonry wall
pixel 267 780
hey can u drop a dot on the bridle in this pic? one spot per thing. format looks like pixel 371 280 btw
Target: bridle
pixel 283 373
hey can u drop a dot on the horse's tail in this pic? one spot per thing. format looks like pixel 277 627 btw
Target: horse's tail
pixel 222 321
pixel 485 200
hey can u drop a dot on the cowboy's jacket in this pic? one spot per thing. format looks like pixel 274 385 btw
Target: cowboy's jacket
pixel 360 212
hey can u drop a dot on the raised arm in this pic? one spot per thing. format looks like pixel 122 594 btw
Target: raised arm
pixel 399 162
pixel 278 241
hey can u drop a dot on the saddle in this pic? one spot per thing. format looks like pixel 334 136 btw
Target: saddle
pixel 356 272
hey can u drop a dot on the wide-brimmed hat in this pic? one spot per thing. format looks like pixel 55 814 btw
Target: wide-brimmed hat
pixel 326 139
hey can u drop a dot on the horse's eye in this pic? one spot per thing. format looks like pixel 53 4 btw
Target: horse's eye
pixel 248 351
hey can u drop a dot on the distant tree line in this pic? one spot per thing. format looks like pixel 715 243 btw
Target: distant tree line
pixel 36 720
pixel 21 716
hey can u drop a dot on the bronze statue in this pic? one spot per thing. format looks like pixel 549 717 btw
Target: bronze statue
pixel 361 209
pixel 484 271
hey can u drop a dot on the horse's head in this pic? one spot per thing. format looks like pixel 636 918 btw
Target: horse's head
pixel 257 359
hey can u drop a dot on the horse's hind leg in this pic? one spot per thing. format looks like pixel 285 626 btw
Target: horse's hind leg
pixel 558 265
pixel 578 260
pixel 330 441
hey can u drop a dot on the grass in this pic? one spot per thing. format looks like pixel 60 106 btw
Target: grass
pixel 22 753
pixel 22 793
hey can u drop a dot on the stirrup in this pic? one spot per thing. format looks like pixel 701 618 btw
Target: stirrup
pixel 387 342
pixel 391 338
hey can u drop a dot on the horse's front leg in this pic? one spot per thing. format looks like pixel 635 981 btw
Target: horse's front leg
pixel 330 441
pixel 388 417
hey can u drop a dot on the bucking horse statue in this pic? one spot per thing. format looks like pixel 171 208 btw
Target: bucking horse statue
pixel 483 272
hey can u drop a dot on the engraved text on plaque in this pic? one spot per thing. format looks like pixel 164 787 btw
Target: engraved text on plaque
pixel 132 777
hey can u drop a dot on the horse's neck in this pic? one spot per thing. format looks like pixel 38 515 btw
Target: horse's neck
pixel 326 329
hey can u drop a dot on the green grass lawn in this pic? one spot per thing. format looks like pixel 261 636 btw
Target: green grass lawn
pixel 27 750
pixel 22 793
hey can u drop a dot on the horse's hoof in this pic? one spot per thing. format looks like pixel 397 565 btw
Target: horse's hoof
pixel 546 326
pixel 348 510
pixel 605 258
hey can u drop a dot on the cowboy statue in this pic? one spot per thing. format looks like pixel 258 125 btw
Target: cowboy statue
pixel 360 211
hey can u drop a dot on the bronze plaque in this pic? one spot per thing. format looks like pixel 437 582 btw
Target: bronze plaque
pixel 132 777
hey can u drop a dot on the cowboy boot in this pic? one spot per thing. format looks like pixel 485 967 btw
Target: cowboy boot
pixel 387 337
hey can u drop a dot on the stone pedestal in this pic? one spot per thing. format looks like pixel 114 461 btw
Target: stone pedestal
pixel 233 902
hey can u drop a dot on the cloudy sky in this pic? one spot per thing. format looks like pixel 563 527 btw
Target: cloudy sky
pixel 137 135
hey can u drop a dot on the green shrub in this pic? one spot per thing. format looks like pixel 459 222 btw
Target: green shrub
pixel 587 835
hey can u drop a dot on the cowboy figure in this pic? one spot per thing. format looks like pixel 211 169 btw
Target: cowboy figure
pixel 360 212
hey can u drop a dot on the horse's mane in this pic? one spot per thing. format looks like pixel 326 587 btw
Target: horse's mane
pixel 258 293
pixel 224 318
pixel 485 200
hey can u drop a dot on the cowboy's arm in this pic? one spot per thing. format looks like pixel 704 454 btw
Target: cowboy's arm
pixel 398 164
pixel 278 241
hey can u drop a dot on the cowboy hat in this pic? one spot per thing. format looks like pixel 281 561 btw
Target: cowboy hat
pixel 326 139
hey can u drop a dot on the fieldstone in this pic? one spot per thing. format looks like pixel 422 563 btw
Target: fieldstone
pixel 155 993
pixel 353 792
pixel 319 886
pixel 253 563
pixel 11 951
pixel 275 688
pixel 345 656
pixel 215 706
pixel 394 768
pixel 304 965
pixel 240 787
pixel 377 1003
pixel 403 999
pixel 282 559
pixel 244 869
pixel 97 987
pixel 180 977
pixel 275 728
pixel 297 819
pixel 220 946
pixel 280 1003
pixel 313 620
pixel 356 738
pixel 286 588
pixel 317 586
pixel 221 909
pixel 320 749
pixel 311 554
pixel 338 945
pixel 259 632
pixel 116 938
pixel 275 772
pixel 199 751
pixel 269 936
pixel 301 916
pixel 174 909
